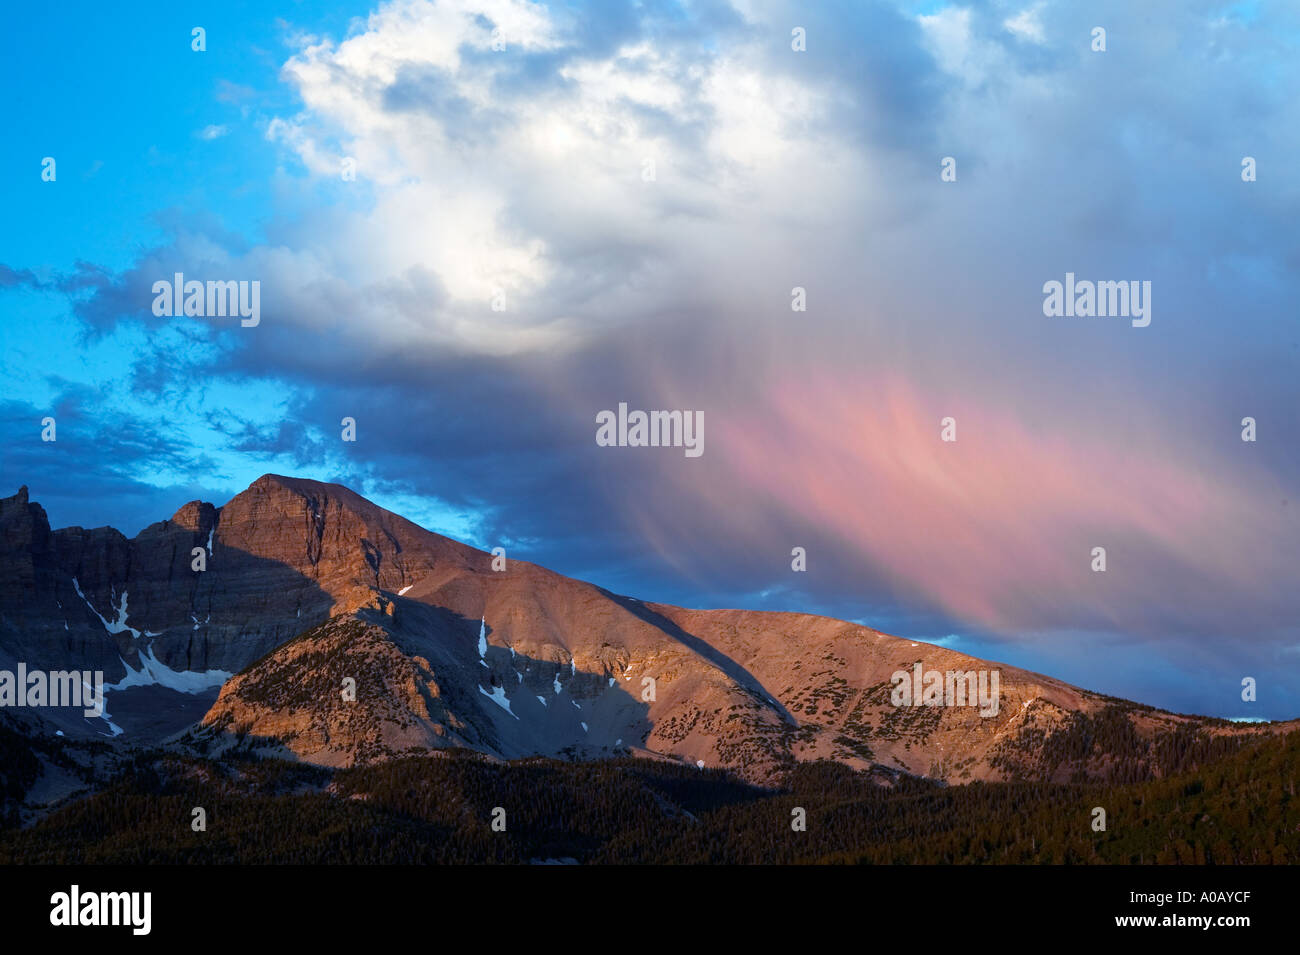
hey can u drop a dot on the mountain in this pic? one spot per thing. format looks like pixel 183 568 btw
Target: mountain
pixel 342 634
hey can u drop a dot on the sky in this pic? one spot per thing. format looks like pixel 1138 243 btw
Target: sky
pixel 477 224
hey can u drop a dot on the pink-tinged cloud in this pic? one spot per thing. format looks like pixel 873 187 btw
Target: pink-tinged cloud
pixel 998 526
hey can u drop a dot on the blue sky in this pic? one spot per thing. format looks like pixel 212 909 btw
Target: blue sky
pixel 522 170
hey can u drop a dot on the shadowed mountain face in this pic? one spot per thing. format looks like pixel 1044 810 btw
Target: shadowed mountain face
pixel 355 635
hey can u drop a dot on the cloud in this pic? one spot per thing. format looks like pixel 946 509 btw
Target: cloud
pixel 234 93
pixel 1026 25
pixel 12 278
pixel 999 526
pixel 591 196
pixel 212 132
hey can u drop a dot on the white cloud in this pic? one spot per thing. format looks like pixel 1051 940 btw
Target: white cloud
pixel 1026 25
pixel 483 182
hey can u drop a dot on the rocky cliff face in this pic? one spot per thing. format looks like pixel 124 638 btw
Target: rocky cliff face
pixel 43 620
pixel 277 559
pixel 307 586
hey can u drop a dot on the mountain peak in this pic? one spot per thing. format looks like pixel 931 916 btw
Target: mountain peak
pixel 18 500
pixel 320 492
pixel 284 480
pixel 195 516
pixel 334 537
pixel 19 508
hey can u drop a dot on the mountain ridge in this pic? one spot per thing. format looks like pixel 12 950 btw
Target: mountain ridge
pixel 308 583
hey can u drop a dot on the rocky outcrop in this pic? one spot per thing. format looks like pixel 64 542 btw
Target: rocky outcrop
pixel 338 695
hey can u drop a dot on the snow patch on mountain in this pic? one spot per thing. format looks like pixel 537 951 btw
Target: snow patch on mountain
pixel 498 696
pixel 153 672
pixel 116 626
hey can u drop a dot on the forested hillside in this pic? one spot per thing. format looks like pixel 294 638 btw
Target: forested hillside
pixel 439 809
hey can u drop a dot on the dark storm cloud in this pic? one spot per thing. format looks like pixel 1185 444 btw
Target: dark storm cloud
pixel 98 457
